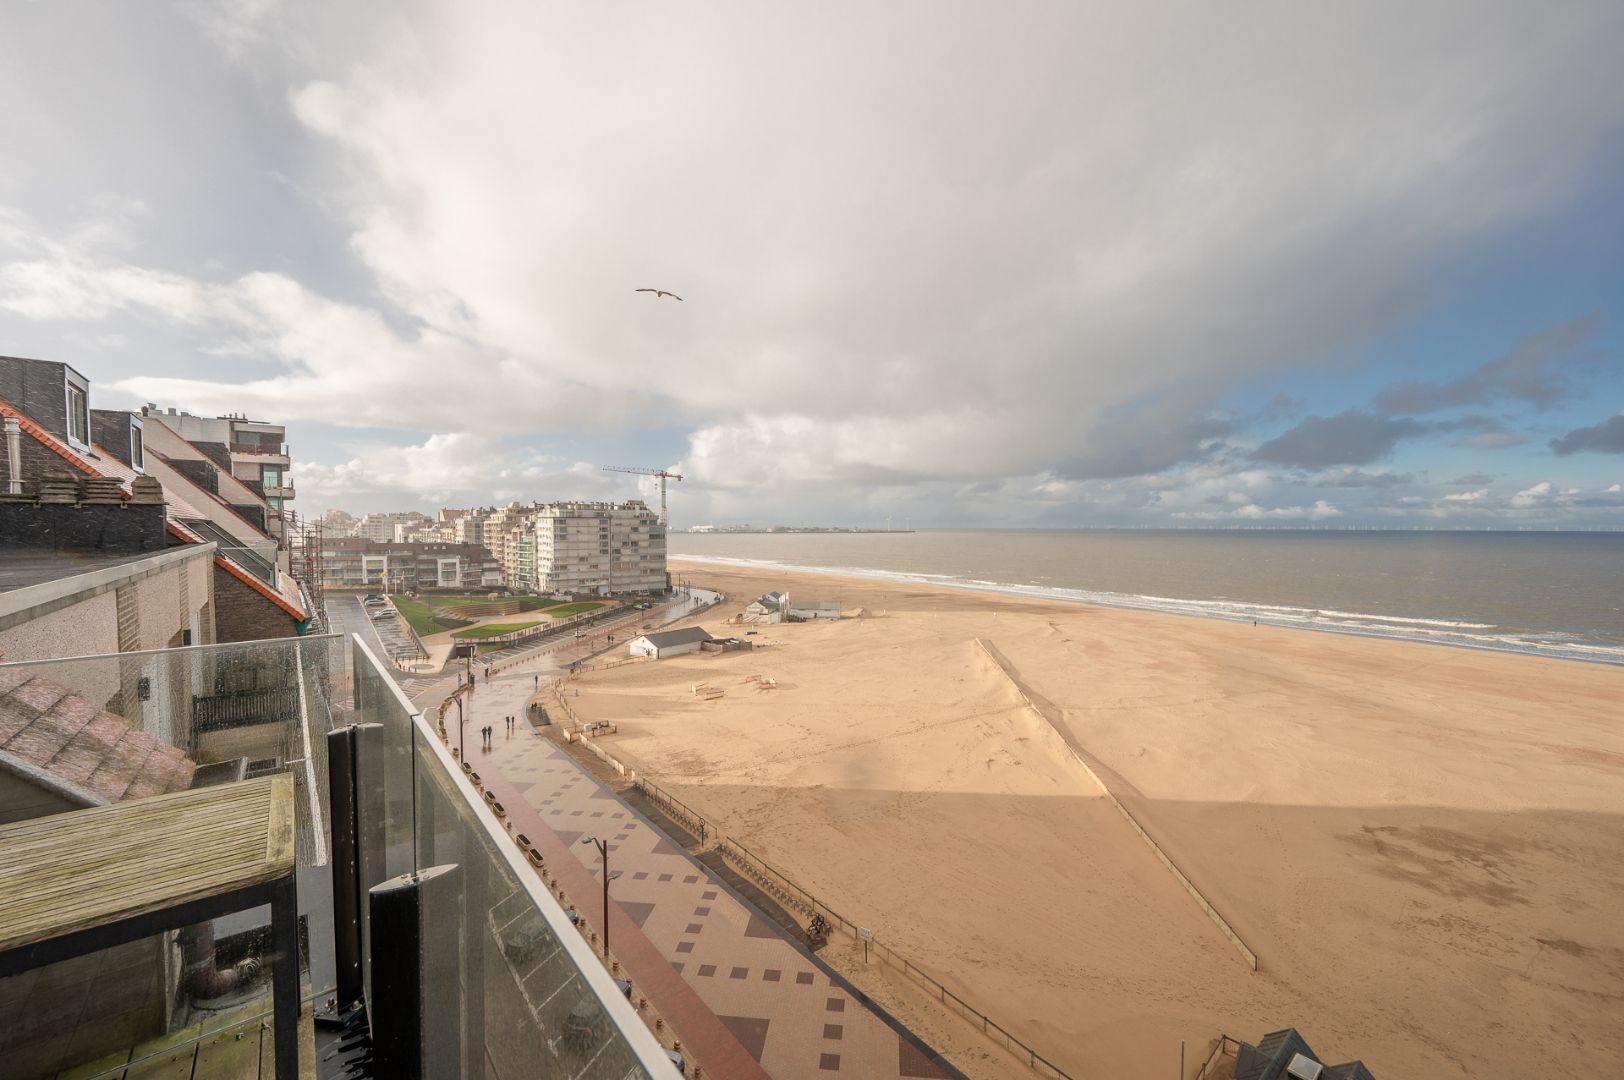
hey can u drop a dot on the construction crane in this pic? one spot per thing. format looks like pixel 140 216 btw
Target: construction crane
pixel 663 474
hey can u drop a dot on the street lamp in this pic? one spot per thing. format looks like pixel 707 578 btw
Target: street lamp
pixel 603 850
pixel 462 751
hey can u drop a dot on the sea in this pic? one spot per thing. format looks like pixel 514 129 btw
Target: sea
pixel 1546 593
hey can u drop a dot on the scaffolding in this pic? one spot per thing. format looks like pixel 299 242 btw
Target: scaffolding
pixel 307 554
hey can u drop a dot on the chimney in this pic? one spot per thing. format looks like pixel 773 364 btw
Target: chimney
pixel 13 430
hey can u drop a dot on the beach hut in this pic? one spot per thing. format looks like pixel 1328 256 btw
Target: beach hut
pixel 669 643
pixel 807 610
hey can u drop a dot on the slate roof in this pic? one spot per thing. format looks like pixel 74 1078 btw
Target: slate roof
pixel 49 733
pixel 666 638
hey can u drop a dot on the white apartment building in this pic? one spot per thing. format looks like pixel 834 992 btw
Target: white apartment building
pixel 602 548
pixel 380 528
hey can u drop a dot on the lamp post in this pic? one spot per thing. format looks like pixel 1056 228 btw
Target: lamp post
pixel 462 751
pixel 603 850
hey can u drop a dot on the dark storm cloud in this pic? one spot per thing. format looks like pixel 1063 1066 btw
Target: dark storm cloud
pixel 1527 373
pixel 1606 437
pixel 1354 437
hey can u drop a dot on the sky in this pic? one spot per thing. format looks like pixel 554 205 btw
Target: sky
pixel 949 264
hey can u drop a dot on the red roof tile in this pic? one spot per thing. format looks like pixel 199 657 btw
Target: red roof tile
pixel 78 743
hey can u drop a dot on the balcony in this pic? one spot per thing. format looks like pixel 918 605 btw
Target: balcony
pixel 168 741
pixel 260 452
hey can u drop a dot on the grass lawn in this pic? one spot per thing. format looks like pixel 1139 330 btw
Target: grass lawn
pixel 494 629
pixel 420 615
pixel 526 603
pixel 573 609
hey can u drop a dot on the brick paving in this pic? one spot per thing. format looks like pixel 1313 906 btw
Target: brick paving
pixel 672 917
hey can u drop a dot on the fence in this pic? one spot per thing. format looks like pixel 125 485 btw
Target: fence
pixel 1225 1045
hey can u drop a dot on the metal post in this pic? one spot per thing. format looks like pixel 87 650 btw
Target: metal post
pixel 285 977
pixel 603 850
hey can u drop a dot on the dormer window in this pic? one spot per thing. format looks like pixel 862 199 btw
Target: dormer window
pixel 78 416
pixel 138 450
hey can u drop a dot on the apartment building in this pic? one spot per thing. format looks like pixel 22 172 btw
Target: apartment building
pixel 603 548
pixel 252 452
pixel 75 478
pixel 382 528
pixel 355 562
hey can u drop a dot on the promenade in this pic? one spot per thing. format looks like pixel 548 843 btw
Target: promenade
pixel 698 952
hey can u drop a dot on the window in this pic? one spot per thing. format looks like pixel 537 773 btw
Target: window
pixel 270 476
pixel 78 416
pixel 138 450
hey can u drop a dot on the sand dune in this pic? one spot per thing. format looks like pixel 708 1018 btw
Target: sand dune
pixel 1422 844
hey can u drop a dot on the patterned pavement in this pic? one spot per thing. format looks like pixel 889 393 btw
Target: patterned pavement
pixel 789 1012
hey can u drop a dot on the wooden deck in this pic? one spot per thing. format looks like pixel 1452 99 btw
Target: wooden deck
pixel 69 880
pixel 234 1047
pixel 88 868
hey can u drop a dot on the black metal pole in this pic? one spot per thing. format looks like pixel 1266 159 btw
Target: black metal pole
pixel 603 847
pixel 462 751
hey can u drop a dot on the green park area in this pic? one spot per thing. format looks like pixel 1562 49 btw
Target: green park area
pixel 567 610
pixel 421 616
pixel 436 614
pixel 490 630
pixel 526 603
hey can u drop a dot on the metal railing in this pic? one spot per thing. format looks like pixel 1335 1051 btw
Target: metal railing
pixel 1224 1046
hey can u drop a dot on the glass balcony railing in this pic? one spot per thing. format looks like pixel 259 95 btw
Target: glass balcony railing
pixel 535 1001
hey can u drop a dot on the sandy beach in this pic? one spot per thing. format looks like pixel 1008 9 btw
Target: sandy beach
pixel 1423 845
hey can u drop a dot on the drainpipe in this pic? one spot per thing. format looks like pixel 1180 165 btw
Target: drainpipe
pixel 13 429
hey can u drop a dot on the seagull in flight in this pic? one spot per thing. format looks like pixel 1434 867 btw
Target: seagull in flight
pixel 659 293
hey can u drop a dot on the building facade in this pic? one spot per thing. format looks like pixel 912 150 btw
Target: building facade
pixel 254 453
pixel 603 548
pixel 357 563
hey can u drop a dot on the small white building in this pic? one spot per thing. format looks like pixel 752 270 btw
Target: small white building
pixel 807 610
pixel 669 643
pixel 769 604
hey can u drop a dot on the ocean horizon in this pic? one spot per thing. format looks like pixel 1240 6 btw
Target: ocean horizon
pixel 1535 592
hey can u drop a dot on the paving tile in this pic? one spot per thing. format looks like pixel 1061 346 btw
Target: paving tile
pixel 803 978
pixel 836 1004
pixel 829 1062
pixel 739 973
pixel 771 975
pixel 707 970
pixel 693 928
pixel 833 1031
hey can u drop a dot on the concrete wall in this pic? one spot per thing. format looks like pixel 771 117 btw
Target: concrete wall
pixel 146 604
pixel 22 800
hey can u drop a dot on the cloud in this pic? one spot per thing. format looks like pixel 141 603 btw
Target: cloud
pixel 1527 373
pixel 1606 437
pixel 907 275
pixel 1533 496
pixel 1472 479
pixel 1354 437
pixel 455 468
pixel 1357 478
pixel 1468 496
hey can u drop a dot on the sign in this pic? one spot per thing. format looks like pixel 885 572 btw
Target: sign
pixel 462 650
pixel 865 933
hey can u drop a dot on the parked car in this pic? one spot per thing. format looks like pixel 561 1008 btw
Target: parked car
pixel 386 613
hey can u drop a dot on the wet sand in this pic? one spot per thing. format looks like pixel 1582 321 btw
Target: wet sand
pixel 1423 845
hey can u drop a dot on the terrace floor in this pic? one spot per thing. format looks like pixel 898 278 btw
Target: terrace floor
pixel 234 1047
